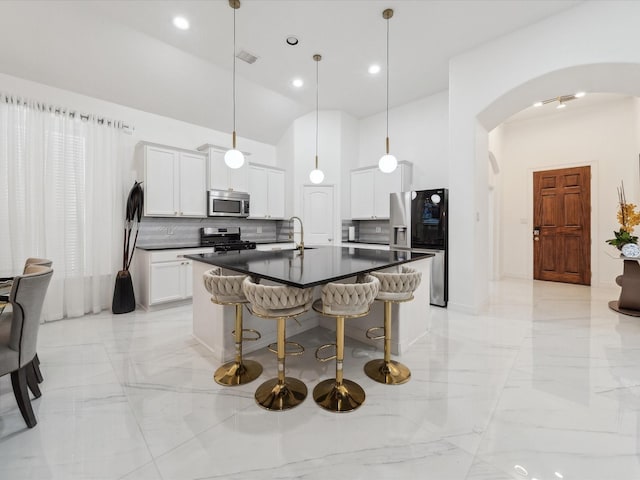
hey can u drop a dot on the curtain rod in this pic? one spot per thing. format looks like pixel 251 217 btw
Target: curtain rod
pixel 57 110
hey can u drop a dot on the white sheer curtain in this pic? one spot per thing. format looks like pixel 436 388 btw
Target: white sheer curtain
pixel 61 197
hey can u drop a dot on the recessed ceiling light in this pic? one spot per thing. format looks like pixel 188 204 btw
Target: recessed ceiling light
pixel 580 94
pixel 297 82
pixel 292 40
pixel 561 105
pixel 373 69
pixel 537 104
pixel 181 23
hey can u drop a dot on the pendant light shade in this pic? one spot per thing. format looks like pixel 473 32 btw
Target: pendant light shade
pixel 387 162
pixel 317 176
pixel 234 158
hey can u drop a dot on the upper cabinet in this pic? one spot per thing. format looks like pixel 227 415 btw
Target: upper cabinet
pixel 370 189
pixel 267 190
pixel 221 177
pixel 174 181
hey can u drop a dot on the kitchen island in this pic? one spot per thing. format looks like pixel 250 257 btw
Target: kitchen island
pixel 212 324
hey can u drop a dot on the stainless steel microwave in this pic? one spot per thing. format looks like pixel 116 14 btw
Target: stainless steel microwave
pixel 223 203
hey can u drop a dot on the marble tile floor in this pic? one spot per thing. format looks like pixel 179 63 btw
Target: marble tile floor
pixel 544 385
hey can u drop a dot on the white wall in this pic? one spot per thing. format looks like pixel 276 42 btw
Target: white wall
pixel 603 136
pixel 286 153
pixel 418 132
pixel 591 47
pixel 337 152
pixel 148 126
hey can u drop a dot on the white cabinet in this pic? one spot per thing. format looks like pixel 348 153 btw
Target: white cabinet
pixel 164 276
pixel 266 187
pixel 174 181
pixel 362 194
pixel 370 189
pixel 221 177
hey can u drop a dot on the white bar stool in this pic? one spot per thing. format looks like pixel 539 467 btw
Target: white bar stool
pixel 342 300
pixel 280 303
pixel 227 290
pixel 394 288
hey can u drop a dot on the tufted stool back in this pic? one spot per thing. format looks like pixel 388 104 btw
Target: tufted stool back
pixel 224 288
pixel 277 300
pixel 350 298
pixel 398 286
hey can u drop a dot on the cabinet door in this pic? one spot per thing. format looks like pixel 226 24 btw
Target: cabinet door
pixel 218 171
pixel 193 187
pixel 275 180
pixel 166 282
pixel 362 194
pixel 239 178
pixel 160 187
pixel 258 190
pixel 385 183
pixel 187 275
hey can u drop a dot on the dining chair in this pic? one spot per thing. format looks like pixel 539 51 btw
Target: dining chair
pixel 35 374
pixel 18 343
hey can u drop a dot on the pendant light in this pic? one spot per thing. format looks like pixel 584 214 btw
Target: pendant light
pixel 387 162
pixel 234 158
pixel 316 175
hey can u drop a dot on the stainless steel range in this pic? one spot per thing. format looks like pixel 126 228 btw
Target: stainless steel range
pixel 224 239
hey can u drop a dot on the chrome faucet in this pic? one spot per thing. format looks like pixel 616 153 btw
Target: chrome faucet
pixel 299 246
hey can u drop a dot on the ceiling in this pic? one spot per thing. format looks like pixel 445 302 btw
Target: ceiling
pixel 590 101
pixel 128 52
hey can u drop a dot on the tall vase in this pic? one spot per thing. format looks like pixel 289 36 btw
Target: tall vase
pixel 124 299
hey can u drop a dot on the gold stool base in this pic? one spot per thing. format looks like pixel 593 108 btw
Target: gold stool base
pixel 274 396
pixel 233 373
pixel 392 373
pixel 334 398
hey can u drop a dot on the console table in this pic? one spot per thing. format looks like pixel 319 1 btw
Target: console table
pixel 629 281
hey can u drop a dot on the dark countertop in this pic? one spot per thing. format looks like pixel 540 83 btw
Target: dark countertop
pixel 171 247
pixel 316 267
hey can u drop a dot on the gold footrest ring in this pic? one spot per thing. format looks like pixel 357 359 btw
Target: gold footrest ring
pixel 257 334
pixel 392 373
pixel 232 373
pixel 276 396
pixel 299 349
pixel 371 336
pixel 324 347
pixel 338 398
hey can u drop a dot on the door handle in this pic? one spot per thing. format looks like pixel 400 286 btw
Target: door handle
pixel 536 234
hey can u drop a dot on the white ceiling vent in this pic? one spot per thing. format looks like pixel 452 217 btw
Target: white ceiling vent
pixel 246 56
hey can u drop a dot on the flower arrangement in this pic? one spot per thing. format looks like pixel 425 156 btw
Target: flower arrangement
pixel 628 218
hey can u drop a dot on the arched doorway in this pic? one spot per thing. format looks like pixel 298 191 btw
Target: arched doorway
pixel 469 184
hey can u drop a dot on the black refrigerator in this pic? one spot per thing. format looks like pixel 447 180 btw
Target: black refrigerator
pixel 419 221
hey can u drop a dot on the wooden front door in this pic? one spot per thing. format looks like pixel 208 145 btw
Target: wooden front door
pixel 562 225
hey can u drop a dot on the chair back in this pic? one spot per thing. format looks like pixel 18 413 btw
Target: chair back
pixel 224 288
pixel 276 300
pixel 350 298
pixel 27 297
pixel 44 262
pixel 398 286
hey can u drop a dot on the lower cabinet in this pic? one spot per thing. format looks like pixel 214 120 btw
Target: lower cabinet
pixel 164 276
